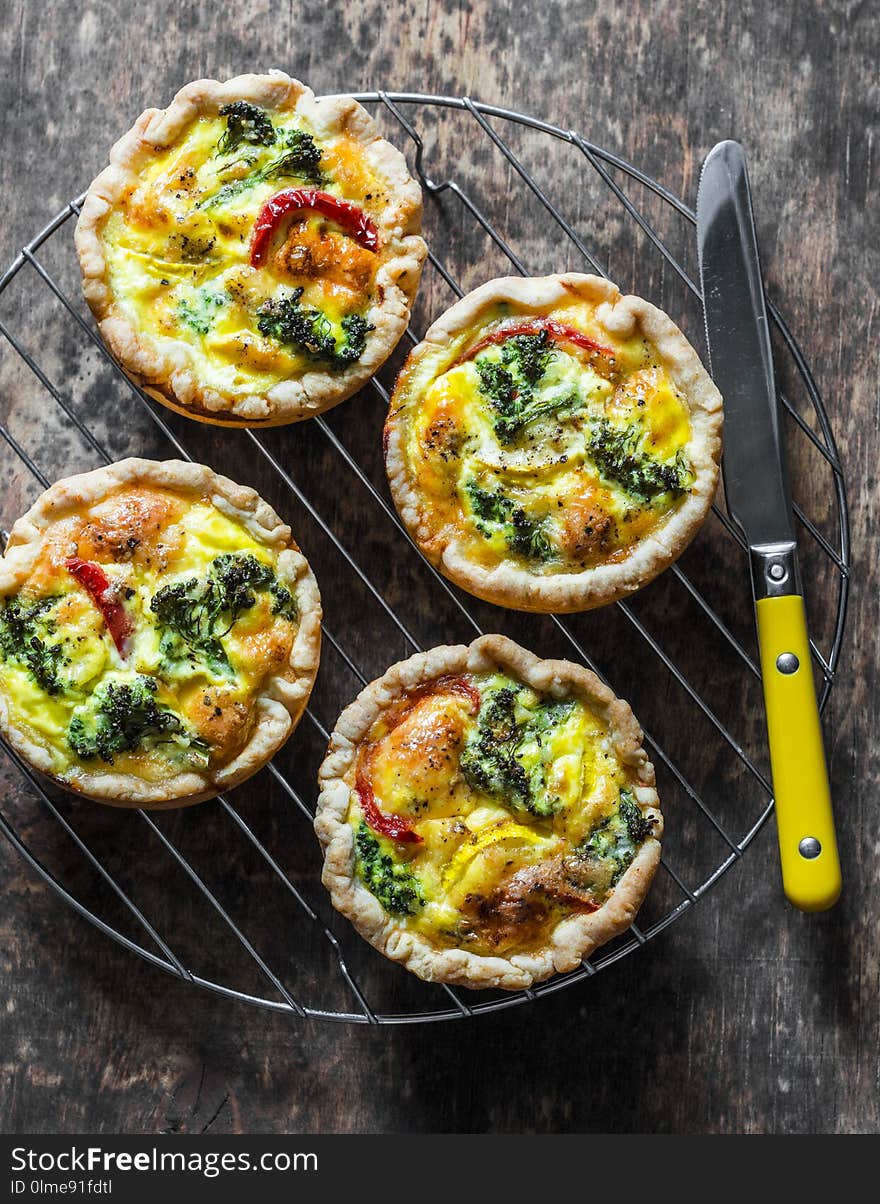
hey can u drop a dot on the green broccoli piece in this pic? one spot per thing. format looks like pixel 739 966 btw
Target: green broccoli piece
pixel 245 122
pixel 287 321
pixel 236 577
pixel 395 886
pixel 530 353
pixel 195 614
pixel 125 716
pixel 187 612
pixel 498 385
pixel 239 575
pixel 490 761
pixel 509 384
pixel 300 161
pixel 525 536
pixel 618 837
pixel 355 328
pixel 24 632
pixel 488 506
pixel 615 452
pixel 283 601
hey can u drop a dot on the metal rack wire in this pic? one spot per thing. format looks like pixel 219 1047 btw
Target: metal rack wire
pixel 400 109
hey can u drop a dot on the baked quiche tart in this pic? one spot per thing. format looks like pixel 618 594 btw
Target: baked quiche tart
pixel 159 633
pixel 251 253
pixel 552 445
pixel 488 818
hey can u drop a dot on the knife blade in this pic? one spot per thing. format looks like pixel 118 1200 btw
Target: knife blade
pixel 757 492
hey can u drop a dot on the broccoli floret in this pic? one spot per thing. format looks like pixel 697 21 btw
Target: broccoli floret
pixel 283 601
pixel 498 720
pixel 498 385
pixel 509 384
pixel 490 761
pixel 187 612
pixel 525 536
pixel 238 576
pixel 245 122
pixel 615 452
pixel 300 160
pixel 125 716
pixel 395 886
pixel 638 827
pixel 488 506
pixel 287 321
pixel 529 354
pixel 618 837
pixel 355 327
pixel 235 579
pixel 23 639
pixel 195 614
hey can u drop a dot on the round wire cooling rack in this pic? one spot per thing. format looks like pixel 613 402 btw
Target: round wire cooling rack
pixel 84 852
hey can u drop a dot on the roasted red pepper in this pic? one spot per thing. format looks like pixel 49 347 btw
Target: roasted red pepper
pixel 278 207
pixel 396 826
pixel 557 330
pixel 95 581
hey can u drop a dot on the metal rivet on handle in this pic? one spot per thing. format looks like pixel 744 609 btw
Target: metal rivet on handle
pixel 777 571
pixel 809 848
pixel 787 662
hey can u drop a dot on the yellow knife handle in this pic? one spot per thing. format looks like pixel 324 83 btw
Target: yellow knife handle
pixel 807 844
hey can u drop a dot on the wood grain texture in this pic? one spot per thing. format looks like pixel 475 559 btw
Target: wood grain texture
pixel 745 1016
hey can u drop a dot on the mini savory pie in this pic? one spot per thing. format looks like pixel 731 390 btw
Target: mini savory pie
pixel 552 445
pixel 488 818
pixel 251 253
pixel 159 633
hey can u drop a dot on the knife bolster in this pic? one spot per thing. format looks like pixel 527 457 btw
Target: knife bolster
pixel 775 571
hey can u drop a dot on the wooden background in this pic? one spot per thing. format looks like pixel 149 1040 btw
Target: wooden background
pixel 745 1015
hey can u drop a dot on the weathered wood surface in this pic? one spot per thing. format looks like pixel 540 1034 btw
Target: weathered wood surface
pixel 745 1016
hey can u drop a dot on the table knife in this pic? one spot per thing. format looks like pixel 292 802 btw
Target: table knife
pixel 756 488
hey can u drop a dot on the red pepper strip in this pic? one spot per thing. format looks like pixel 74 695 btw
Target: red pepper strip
pixel 95 581
pixel 557 330
pixel 352 219
pixel 395 826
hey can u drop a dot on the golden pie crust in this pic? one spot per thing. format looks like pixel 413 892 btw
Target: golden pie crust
pixel 170 374
pixel 279 705
pixel 513 584
pixel 573 938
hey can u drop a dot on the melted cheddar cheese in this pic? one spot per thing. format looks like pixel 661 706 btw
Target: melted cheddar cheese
pixel 516 812
pixel 206 616
pixel 557 453
pixel 177 248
